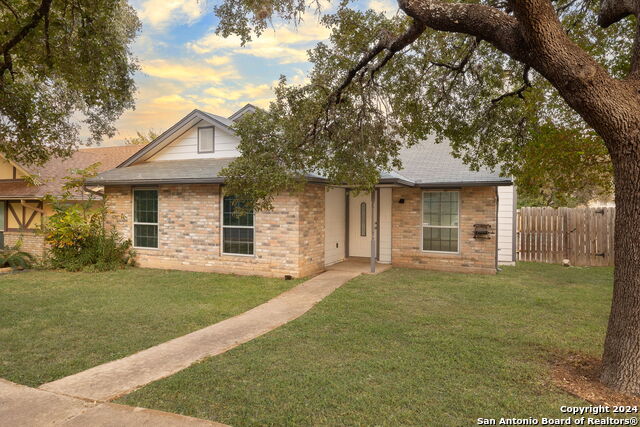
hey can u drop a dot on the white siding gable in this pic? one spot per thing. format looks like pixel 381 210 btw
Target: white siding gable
pixel 185 146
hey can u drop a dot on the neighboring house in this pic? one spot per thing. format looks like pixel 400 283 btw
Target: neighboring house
pixel 22 208
pixel 169 198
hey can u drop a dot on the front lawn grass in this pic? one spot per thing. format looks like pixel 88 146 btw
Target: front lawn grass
pixel 54 324
pixel 405 347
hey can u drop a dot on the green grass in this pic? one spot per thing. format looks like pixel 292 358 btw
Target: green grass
pixel 53 324
pixel 405 347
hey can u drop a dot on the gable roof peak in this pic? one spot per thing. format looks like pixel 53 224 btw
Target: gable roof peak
pixel 248 108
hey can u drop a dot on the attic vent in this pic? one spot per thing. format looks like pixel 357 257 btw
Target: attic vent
pixel 206 137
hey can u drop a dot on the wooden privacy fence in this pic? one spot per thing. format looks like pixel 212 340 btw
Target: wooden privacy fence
pixel 582 235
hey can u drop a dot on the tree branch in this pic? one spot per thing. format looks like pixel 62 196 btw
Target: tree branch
pixel 485 22
pixel 464 61
pixel 518 92
pixel 43 9
pixel 11 9
pixel 388 43
pixel 612 11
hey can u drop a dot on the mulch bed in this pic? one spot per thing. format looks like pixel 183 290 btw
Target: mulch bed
pixel 579 376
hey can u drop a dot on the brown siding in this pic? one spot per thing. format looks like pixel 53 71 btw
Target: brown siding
pixel 189 232
pixel 477 206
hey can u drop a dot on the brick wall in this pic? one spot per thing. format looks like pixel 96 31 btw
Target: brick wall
pixel 312 230
pixel 32 242
pixel 189 232
pixel 477 206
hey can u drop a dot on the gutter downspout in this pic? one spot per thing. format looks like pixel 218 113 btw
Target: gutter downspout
pixel 497 225
pixel 374 226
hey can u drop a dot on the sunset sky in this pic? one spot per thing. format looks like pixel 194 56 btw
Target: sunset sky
pixel 186 66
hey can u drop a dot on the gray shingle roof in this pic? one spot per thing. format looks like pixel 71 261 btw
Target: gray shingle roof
pixel 169 171
pixel 426 164
pixel 429 163
pixel 225 121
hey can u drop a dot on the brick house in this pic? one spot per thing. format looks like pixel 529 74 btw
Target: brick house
pixel 434 213
pixel 22 205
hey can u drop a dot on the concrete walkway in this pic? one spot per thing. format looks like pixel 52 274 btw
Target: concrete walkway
pixel 25 406
pixel 111 380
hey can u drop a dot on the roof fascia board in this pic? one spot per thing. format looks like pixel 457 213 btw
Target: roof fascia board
pixel 465 184
pixel 216 180
pixel 242 111
pixel 311 180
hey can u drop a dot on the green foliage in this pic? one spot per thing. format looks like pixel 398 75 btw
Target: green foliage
pixel 77 234
pixel 493 111
pixel 74 61
pixel 141 138
pixel 14 257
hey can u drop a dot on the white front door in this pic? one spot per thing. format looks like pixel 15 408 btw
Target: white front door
pixel 360 227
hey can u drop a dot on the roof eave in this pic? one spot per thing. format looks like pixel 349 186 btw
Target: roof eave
pixel 114 182
pixel 398 181
pixel 499 183
pixel 312 180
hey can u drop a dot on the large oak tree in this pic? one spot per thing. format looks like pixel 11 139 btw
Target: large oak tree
pixel 498 78
pixel 63 62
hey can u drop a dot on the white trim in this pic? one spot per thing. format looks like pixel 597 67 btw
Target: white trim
pixel 133 218
pixel 423 225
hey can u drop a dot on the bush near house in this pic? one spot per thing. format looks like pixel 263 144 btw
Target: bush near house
pixel 12 256
pixel 77 234
pixel 79 240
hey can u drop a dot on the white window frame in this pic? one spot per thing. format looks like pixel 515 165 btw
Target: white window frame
pixel 213 140
pixel 253 227
pixel 423 224
pixel 133 218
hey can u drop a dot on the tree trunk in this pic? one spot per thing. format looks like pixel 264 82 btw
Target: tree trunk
pixel 621 359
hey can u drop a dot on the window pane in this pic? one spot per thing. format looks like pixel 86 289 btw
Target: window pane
pixel 230 218
pixel 440 208
pixel 426 239
pixel 205 140
pixel 145 236
pixel 454 240
pixel 238 241
pixel 440 239
pixel 145 206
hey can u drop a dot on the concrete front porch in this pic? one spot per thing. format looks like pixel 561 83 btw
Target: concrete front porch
pixel 358 265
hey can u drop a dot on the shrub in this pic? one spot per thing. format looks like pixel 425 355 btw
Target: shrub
pixel 77 234
pixel 12 256
pixel 79 240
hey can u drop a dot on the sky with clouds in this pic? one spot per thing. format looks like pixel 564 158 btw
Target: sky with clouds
pixel 185 65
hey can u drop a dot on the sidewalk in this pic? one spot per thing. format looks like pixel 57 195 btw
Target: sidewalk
pixel 25 406
pixel 113 379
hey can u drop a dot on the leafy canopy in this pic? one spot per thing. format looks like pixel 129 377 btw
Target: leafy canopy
pixel 62 60
pixel 142 138
pixel 495 111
